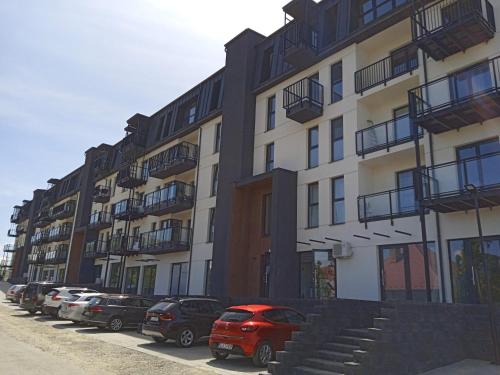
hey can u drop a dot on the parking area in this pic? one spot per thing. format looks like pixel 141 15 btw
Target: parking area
pixel 96 350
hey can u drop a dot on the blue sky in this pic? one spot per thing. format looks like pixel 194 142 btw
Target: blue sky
pixel 72 73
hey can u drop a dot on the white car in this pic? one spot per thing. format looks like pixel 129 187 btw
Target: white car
pixel 73 308
pixel 13 291
pixel 56 296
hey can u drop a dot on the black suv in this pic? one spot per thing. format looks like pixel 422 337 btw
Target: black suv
pixel 116 311
pixel 185 320
pixel 34 295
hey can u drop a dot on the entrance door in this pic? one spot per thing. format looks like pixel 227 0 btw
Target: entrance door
pixel 402 272
pixel 265 271
pixel 318 275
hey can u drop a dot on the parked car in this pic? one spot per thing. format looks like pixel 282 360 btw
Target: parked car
pixel 73 308
pixel 255 331
pixel 116 311
pixel 34 295
pixel 185 320
pixel 14 292
pixel 56 296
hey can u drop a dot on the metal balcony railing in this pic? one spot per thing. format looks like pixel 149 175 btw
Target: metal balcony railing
pixel 303 100
pixel 472 95
pixel 132 176
pixel 297 35
pixel 95 249
pixel 175 160
pixel 57 256
pixel 10 248
pixel 102 194
pixel 121 244
pixel 64 210
pixel 400 62
pixel 40 237
pixel 175 197
pixel 16 215
pixel 36 258
pixel 170 239
pixel 100 219
pixel 386 205
pixel 128 209
pixel 385 135
pixel 60 233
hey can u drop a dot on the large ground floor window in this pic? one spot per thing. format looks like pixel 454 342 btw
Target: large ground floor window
pixel 467 269
pixel 318 275
pixel 114 275
pixel 402 272
pixel 132 280
pixel 148 280
pixel 178 279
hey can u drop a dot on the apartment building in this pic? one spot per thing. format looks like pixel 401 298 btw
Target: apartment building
pixel 341 156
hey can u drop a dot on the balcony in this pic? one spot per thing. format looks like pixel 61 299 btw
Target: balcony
pixel 400 62
pixel 36 258
pixel 303 101
pixel 102 194
pixel 133 145
pixel 444 184
pixel 385 135
pixel 15 218
pixel 131 176
pixel 42 219
pixel 40 237
pixel 176 160
pixel 96 249
pixel 63 211
pixel 450 26
pixel 57 256
pixel 175 197
pixel 171 239
pixel 128 209
pixel 100 220
pixel 9 248
pixel 124 245
pixel 387 205
pixel 460 99
pixel 16 230
pixel 60 233
pixel 300 44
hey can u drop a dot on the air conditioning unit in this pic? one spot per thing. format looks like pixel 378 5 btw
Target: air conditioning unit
pixel 342 250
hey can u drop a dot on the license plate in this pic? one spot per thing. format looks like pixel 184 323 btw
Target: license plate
pixel 225 346
pixel 153 319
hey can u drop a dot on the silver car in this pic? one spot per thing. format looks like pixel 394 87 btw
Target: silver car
pixel 73 308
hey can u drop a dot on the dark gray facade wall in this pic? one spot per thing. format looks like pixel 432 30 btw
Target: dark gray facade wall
pixel 236 154
pixel 284 278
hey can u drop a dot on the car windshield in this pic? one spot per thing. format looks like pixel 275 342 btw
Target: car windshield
pixel 234 315
pixel 73 298
pixel 95 301
pixel 163 306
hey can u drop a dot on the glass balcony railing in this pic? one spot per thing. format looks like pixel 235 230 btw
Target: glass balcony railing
pixel 175 197
pixel 169 239
pixel 177 159
pixel 386 205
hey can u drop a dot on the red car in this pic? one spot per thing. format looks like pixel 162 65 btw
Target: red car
pixel 255 331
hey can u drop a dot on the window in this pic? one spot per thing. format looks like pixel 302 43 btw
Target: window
pixel 178 279
pixel 331 24
pixel 267 63
pixel 313 205
pixel 217 137
pixel 159 131
pixel 114 279
pixel 215 180
pixel 337 141
pixel 266 214
pixel 373 9
pixel 132 280
pixel 148 280
pixel 191 115
pixel 318 272
pixel 208 271
pixel 211 224
pixel 404 59
pixel 271 113
pixel 313 148
pixel 166 126
pixel 337 84
pixel 338 201
pixel 269 157
pixel 215 97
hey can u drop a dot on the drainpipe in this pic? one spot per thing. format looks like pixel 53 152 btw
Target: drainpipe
pixel 71 239
pixel 193 216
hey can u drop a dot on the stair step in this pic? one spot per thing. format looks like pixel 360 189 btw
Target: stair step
pixel 358 332
pixel 352 340
pixel 325 364
pixel 306 370
pixel 383 323
pixel 333 355
pixel 340 347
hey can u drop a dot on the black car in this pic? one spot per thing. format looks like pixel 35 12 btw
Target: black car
pixel 116 311
pixel 34 295
pixel 185 320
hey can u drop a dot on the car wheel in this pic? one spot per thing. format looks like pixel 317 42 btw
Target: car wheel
pixel 185 338
pixel 115 324
pixel 159 340
pixel 263 355
pixel 75 322
pixel 219 356
pixel 32 311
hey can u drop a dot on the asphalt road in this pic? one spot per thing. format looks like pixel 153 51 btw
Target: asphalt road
pixel 41 345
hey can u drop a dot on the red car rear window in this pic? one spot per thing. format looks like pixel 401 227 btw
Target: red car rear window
pixel 235 316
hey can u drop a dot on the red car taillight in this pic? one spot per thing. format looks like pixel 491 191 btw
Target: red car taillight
pixel 248 328
pixel 72 304
pixel 167 316
pixel 95 309
pixel 56 297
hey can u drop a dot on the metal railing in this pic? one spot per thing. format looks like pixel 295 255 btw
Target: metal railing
pixel 131 172
pixel 10 248
pixel 128 207
pixel 389 204
pixel 61 232
pixel 99 218
pixel 174 193
pixel 102 191
pixel 16 214
pixel 64 210
pixel 95 249
pixel 121 244
pixel 58 255
pixel 385 135
pixel 170 238
pixel 400 62
pixel 450 179
pixel 456 89
pixel 40 237
pixel 298 34
pixel 182 152
pixel 448 13
pixel 307 91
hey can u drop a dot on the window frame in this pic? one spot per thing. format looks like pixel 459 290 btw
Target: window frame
pixel 335 123
pixel 336 81
pixel 269 162
pixel 311 205
pixel 217 137
pixel 215 180
pixel 211 225
pixel 271 113
pixel 312 148
pixel 335 200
